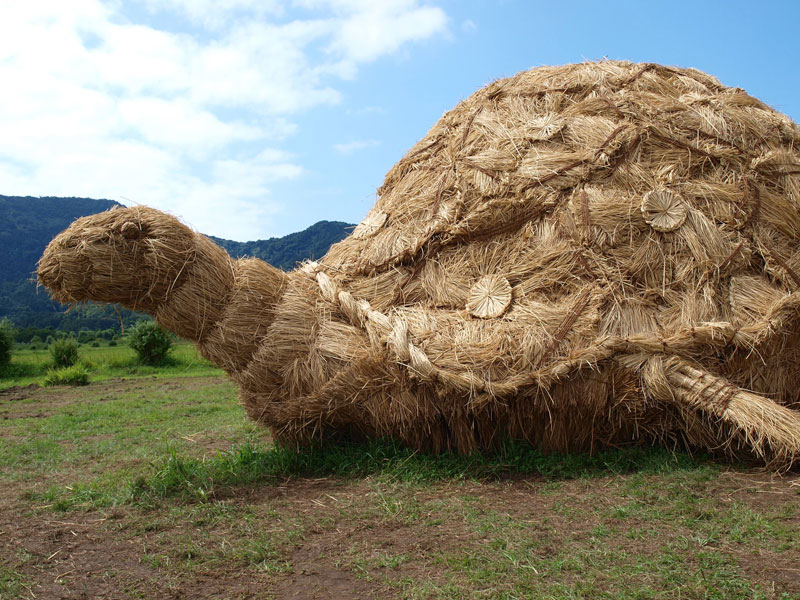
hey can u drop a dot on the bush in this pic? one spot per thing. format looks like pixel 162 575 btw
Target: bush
pixel 74 375
pixel 150 342
pixel 112 343
pixel 50 339
pixel 7 335
pixel 64 352
pixel 85 336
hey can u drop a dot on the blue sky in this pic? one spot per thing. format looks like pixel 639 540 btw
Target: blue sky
pixel 256 118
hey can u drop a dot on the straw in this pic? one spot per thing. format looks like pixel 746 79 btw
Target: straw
pixel 590 255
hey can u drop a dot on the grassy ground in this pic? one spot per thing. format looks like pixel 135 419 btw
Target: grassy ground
pixel 31 366
pixel 160 487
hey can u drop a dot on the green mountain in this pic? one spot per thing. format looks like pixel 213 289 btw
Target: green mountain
pixel 285 252
pixel 27 225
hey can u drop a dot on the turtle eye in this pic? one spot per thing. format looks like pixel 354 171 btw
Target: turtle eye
pixel 130 230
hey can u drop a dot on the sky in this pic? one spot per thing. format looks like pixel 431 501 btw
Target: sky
pixel 250 119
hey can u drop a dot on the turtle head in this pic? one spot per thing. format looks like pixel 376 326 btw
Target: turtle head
pixel 127 255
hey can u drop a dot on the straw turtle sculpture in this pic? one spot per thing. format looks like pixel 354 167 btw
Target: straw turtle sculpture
pixel 580 256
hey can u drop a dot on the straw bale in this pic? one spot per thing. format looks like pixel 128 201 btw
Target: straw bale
pixel 637 225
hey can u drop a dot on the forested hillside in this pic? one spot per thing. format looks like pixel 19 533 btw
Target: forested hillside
pixel 27 224
pixel 285 252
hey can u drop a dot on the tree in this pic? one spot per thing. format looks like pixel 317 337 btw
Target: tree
pixel 6 341
pixel 151 343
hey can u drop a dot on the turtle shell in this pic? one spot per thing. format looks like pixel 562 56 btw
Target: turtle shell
pixel 637 207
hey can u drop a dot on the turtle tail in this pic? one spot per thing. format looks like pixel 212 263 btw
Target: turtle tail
pixel 761 426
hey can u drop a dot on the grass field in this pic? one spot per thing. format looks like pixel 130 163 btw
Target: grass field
pixel 103 362
pixel 158 487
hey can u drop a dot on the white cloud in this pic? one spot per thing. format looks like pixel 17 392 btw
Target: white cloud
pixel 363 31
pixel 137 59
pixel 350 147
pixel 264 67
pixel 182 125
pixel 187 116
pixel 375 29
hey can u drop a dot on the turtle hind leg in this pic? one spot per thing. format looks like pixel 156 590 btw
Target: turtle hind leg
pixel 765 428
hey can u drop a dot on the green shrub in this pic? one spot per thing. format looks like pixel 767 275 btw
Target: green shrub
pixel 7 335
pixel 112 343
pixel 64 352
pixel 95 344
pixel 85 336
pixel 74 375
pixel 50 339
pixel 151 343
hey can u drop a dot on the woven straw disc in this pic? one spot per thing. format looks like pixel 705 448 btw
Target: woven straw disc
pixel 489 297
pixel 371 223
pixel 663 210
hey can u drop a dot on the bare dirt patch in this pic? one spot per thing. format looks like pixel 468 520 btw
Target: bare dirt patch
pixel 18 391
pixel 345 550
